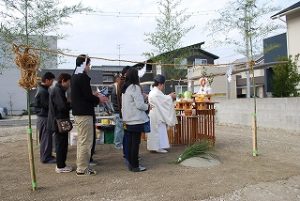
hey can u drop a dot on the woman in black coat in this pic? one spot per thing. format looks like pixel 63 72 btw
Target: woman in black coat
pixel 59 108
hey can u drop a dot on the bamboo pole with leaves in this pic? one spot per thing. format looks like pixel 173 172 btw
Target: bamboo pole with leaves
pixel 254 116
pixel 29 129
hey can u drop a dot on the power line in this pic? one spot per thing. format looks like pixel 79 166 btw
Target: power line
pixel 144 15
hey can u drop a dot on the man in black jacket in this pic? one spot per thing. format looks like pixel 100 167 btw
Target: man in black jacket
pixel 83 102
pixel 42 105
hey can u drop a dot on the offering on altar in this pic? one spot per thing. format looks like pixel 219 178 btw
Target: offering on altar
pixel 184 103
pixel 202 97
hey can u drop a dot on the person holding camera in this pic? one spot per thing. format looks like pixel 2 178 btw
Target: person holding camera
pixel 83 102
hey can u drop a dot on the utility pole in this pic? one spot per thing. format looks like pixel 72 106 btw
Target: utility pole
pixel 119 48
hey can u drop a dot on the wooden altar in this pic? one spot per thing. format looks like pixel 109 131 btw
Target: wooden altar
pixel 196 122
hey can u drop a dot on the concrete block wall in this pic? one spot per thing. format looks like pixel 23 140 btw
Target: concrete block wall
pixel 281 113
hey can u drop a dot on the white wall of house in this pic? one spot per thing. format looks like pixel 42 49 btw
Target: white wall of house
pixel 219 85
pixel 12 96
pixel 257 73
pixel 293 29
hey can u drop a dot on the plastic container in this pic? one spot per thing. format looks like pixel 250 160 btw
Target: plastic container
pixel 108 136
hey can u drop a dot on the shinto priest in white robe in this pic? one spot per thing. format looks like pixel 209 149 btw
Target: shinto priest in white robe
pixel 161 115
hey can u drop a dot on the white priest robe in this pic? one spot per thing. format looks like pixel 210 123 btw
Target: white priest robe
pixel 161 115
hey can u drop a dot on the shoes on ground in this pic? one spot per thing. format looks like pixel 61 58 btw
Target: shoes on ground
pixel 63 170
pixel 119 147
pixel 51 161
pixel 138 169
pixel 163 151
pixel 87 172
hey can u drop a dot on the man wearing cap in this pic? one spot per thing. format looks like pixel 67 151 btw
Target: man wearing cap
pixel 161 115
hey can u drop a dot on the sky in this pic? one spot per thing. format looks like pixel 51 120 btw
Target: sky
pixel 117 29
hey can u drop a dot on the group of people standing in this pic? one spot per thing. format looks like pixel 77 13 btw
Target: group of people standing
pixel 132 111
pixel 136 110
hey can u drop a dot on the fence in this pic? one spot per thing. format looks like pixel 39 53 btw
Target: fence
pixel 278 113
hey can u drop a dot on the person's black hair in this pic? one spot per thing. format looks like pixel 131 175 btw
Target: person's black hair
pixel 48 76
pixel 132 77
pixel 155 84
pixel 81 58
pixel 158 79
pixel 63 77
pixel 125 69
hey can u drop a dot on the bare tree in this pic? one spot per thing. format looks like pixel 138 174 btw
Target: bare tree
pixel 41 18
pixel 168 33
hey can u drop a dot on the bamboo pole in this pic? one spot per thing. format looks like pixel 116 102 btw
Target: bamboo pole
pixel 30 146
pixel 29 129
pixel 254 117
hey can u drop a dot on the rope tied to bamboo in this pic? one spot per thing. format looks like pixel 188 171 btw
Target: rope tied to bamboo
pixel 28 62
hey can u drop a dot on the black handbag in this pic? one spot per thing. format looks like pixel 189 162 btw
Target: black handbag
pixel 64 125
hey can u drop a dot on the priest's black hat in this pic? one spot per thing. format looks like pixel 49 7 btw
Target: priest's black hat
pixel 160 79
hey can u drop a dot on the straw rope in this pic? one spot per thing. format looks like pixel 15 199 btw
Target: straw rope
pixel 122 60
pixel 28 63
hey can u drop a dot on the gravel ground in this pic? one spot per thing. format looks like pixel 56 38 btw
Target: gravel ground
pixel 273 175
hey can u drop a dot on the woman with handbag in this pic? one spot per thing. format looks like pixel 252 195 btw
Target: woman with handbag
pixel 59 121
pixel 134 117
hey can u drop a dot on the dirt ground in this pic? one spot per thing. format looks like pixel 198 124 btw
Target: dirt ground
pixel 273 175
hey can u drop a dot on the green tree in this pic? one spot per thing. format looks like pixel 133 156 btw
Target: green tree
pixel 167 36
pixel 30 21
pixel 286 78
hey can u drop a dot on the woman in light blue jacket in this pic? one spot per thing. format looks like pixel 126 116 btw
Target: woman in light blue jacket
pixel 134 117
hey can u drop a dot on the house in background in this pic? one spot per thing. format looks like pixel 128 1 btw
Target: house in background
pixel 275 47
pixel 186 56
pixel 292 19
pixel 101 76
pixel 12 96
pixel 241 78
pixel 108 73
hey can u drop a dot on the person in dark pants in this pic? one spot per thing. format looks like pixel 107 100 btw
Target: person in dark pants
pixel 116 100
pixel 92 162
pixel 59 108
pixel 42 105
pixel 134 116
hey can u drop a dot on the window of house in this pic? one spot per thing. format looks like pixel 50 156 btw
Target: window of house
pixel 108 78
pixel 200 61
pixel 180 63
pixel 179 89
